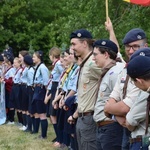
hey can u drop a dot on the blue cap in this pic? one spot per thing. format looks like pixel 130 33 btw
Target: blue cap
pixel 103 43
pixel 142 51
pixel 138 66
pixel 134 35
pixel 81 33
pixel 28 60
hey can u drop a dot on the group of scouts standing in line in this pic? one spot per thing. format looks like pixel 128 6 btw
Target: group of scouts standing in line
pixel 94 99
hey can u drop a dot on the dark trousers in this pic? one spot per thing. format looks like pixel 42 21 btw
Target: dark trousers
pixel 86 133
pixel 138 146
pixel 109 137
pixel 125 139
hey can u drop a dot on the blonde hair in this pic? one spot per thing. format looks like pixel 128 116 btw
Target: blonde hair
pixel 55 52
pixel 18 60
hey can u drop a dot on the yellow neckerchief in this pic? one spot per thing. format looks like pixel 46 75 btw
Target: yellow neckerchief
pixel 65 76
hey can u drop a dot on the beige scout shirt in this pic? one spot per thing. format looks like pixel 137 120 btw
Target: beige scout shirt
pixel 137 115
pixel 87 86
pixel 106 87
pixel 132 90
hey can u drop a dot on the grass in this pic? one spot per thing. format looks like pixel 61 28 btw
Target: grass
pixel 11 138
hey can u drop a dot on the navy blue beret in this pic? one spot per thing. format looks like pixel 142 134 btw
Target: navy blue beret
pixel 110 45
pixel 9 56
pixel 134 35
pixel 1 57
pixel 81 33
pixel 28 60
pixel 138 66
pixel 142 51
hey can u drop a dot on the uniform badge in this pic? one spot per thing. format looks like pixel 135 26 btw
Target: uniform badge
pixel 123 80
pixel 101 94
pixel 103 43
pixel 79 35
pixel 139 37
pixel 142 54
pixel 84 86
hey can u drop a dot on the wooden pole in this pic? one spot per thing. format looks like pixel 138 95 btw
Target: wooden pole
pixel 106 10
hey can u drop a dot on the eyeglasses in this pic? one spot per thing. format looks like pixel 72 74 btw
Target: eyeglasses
pixel 134 47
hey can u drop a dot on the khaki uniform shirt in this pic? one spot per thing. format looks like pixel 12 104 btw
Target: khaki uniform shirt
pixel 131 93
pixel 87 86
pixel 137 115
pixel 106 87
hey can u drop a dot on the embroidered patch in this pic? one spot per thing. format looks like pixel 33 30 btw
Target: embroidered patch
pixel 123 80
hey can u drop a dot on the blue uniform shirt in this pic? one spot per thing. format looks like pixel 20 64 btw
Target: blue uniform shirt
pixel 72 83
pixel 24 75
pixel 42 75
pixel 57 71
pixel 17 75
pixel 68 83
pixel 30 74
pixel 10 73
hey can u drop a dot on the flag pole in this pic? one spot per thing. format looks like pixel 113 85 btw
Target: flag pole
pixel 106 10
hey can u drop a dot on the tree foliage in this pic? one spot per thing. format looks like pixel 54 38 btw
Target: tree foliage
pixel 47 23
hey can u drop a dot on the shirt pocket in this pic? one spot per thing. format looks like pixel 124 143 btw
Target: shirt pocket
pixel 86 85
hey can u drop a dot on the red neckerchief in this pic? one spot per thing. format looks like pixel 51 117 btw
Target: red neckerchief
pixel 50 77
pixel 54 63
pixel 17 71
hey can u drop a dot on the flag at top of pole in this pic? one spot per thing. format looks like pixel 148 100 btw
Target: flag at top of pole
pixel 139 2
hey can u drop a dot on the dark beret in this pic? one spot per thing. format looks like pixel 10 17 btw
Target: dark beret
pixel 8 50
pixel 81 33
pixel 28 60
pixel 1 57
pixel 9 56
pixel 142 51
pixel 138 66
pixel 134 35
pixel 110 45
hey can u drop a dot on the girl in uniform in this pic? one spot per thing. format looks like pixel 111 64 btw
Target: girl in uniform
pixel 23 90
pixel 30 73
pixel 40 81
pixel 15 94
pixel 8 79
pixel 54 55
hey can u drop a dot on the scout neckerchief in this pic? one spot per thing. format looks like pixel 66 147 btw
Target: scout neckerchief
pixel 51 76
pixel 125 85
pixel 65 75
pixel 16 72
pixel 36 71
pixel 7 70
pixel 81 65
pixel 74 66
pixel 147 114
pixel 104 71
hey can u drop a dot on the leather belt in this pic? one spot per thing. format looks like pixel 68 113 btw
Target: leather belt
pixel 103 123
pixel 39 85
pixel 23 84
pixel 85 114
pixel 135 140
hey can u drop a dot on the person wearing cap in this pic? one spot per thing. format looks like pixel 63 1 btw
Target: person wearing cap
pixel 82 44
pixel 105 54
pixel 8 80
pixel 30 72
pixel 125 92
pixel 38 107
pixel 137 119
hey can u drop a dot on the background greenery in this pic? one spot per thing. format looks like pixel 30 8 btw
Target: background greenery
pixel 37 24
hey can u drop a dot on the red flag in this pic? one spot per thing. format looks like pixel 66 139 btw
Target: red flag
pixel 139 2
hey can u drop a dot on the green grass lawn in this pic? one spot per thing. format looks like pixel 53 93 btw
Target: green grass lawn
pixel 11 138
